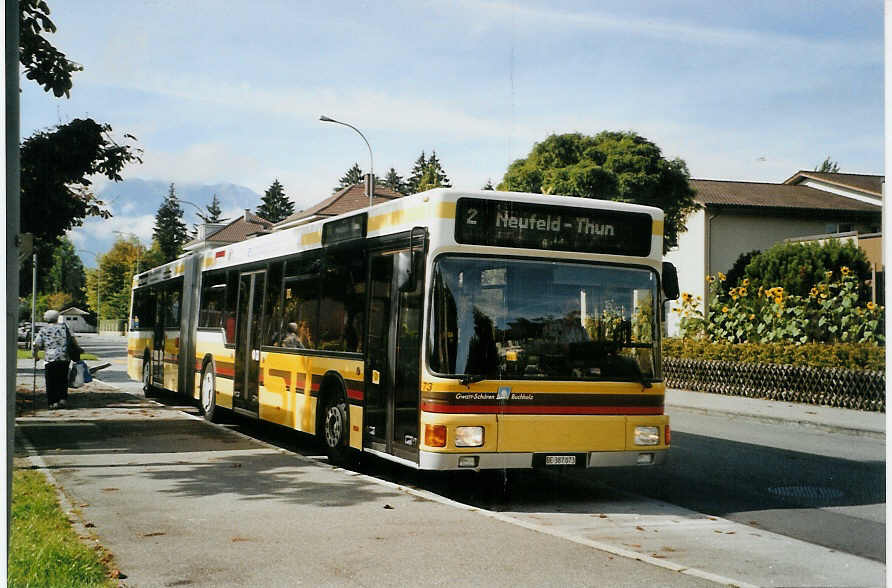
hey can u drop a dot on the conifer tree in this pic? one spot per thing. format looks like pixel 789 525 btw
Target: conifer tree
pixel 275 205
pixel 353 176
pixel 395 182
pixel 434 164
pixel 488 185
pixel 213 212
pixel 417 171
pixel 170 230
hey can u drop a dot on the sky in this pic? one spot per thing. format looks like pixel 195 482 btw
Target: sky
pixel 226 92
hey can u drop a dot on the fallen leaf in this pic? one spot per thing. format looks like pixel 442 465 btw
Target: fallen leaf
pixel 388 507
pixel 155 534
pixel 89 525
pixel 110 489
pixel 640 528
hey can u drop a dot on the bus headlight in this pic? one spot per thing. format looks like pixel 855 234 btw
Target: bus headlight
pixel 647 435
pixel 468 436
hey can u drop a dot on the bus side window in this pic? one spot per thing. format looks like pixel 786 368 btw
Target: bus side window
pixel 213 297
pixel 229 309
pixel 272 305
pixel 300 302
pixel 343 301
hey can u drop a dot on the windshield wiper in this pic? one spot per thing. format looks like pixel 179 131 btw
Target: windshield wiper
pixel 468 379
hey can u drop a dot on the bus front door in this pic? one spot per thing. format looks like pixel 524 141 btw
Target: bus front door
pixel 158 340
pixel 247 342
pixel 394 352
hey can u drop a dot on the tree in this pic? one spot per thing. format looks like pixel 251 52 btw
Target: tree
pixel 417 171
pixel 437 171
pixel 170 230
pixel 353 176
pixel 275 205
pixel 55 167
pixel 395 182
pixel 828 166
pixel 66 275
pixel 213 212
pixel 611 165
pixel 488 185
pixel 118 267
pixel 42 62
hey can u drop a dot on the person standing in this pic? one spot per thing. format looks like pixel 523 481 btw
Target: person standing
pixel 56 339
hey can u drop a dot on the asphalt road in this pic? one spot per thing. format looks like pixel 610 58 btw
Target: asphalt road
pixel 821 487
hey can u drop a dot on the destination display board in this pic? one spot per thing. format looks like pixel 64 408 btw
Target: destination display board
pixel 544 226
pixel 345 229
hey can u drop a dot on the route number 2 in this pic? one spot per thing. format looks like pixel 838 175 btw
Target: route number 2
pixel 471 218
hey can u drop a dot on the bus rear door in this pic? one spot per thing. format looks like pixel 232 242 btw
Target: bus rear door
pixel 247 342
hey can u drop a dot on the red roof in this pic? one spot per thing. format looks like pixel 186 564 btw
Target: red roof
pixel 344 200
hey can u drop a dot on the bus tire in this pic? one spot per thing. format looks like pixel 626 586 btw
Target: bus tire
pixel 335 428
pixel 147 387
pixel 209 392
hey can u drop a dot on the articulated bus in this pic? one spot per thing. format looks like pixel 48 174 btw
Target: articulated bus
pixel 443 330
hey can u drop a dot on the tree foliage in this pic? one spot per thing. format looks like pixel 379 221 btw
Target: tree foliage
pixel 796 267
pixel 488 185
pixel 170 230
pixel 114 281
pixel 395 182
pixel 353 176
pixel 828 166
pixel 417 172
pixel 275 205
pixel 55 167
pixel 41 61
pixel 611 165
pixel 213 212
pixel 66 275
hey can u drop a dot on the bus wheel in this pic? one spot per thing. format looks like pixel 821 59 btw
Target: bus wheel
pixel 334 430
pixel 208 392
pixel 146 376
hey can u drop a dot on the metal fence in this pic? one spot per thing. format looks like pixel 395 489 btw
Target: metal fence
pixel 843 388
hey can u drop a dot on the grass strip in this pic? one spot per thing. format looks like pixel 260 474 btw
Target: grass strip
pixel 44 550
pixel 26 354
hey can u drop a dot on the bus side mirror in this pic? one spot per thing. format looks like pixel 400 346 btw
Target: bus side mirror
pixel 402 266
pixel 670 281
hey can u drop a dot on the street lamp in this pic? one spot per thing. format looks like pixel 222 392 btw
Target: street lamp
pixel 324 118
pixel 98 291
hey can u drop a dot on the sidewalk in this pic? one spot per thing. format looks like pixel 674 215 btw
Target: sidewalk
pixel 835 419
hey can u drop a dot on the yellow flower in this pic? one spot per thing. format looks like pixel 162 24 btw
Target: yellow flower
pixel 813 292
pixel 828 274
pixel 746 282
pixel 871 306
pixel 724 309
pixel 722 277
pixel 733 296
pixel 823 296
pixel 686 297
pixel 710 279
pixel 778 300
pixel 742 291
pixel 844 270
pixel 752 317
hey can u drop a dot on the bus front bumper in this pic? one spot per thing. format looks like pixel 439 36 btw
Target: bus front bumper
pixel 428 460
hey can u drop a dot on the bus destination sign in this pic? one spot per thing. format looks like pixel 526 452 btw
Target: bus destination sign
pixel 544 226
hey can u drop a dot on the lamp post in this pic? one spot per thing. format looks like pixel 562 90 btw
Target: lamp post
pixel 98 291
pixel 371 185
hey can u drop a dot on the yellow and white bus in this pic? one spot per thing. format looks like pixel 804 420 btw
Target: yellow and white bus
pixel 444 330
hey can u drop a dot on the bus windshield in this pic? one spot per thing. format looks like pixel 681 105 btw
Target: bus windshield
pixel 549 320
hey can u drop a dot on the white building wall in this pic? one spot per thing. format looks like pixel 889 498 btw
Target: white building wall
pixel 689 258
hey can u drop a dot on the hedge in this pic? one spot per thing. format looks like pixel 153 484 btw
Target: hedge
pixel 856 356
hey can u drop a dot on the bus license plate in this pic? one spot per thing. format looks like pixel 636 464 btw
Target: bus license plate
pixel 551 460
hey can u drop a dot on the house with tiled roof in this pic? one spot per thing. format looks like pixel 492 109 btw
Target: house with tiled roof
pixel 212 235
pixel 344 200
pixel 738 217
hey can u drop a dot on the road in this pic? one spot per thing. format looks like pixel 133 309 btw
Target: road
pixel 729 480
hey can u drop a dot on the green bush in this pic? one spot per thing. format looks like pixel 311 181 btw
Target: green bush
pixel 857 356
pixel 829 313
pixel 796 267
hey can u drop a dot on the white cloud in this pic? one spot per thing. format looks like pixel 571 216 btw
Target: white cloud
pixel 199 163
